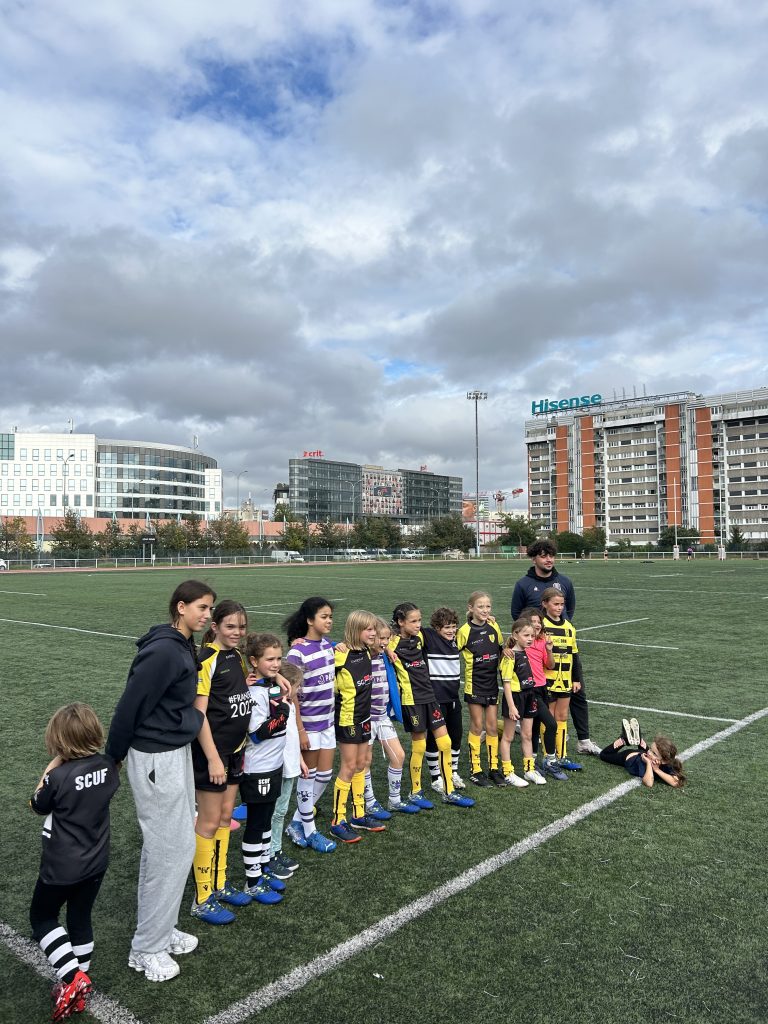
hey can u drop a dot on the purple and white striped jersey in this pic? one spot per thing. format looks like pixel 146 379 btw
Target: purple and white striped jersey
pixel 380 691
pixel 315 696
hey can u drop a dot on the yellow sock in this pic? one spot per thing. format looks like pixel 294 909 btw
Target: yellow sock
pixel 418 750
pixel 201 867
pixel 492 745
pixel 358 794
pixel 542 744
pixel 221 847
pixel 446 761
pixel 507 768
pixel 340 794
pixel 529 764
pixel 474 753
pixel 560 738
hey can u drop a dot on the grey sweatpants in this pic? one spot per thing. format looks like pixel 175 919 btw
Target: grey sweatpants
pixel 164 793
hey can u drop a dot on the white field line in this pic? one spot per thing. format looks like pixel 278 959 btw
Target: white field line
pixel 99 1006
pixel 660 711
pixel 25 593
pixel 70 629
pixel 605 625
pixel 298 978
pixel 620 643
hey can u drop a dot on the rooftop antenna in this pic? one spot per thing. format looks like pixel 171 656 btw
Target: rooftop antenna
pixel 194 441
pixel 614 394
pixel 71 423
pixel 634 391
pixel 645 393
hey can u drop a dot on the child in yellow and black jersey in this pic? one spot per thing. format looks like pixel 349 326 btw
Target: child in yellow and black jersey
pixel 564 678
pixel 352 719
pixel 224 697
pixel 480 642
pixel 421 712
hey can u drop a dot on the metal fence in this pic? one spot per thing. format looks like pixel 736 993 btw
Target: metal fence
pixel 203 561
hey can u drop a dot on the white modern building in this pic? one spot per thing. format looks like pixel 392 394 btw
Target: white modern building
pixel 45 474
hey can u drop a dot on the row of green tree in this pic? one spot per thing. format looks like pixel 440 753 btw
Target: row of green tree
pixel 73 538
pixel 374 532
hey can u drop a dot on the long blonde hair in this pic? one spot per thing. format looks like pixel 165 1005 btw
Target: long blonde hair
pixel 357 621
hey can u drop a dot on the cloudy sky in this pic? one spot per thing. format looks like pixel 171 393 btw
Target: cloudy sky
pixel 285 226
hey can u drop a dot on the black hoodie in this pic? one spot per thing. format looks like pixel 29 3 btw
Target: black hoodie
pixel 156 711
pixel 528 591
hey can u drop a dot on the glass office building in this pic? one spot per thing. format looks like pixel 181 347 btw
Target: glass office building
pixel 322 489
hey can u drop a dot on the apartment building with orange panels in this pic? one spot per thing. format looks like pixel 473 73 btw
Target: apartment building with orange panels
pixel 636 466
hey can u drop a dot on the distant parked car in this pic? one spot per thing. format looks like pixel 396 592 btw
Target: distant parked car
pixel 453 553
pixel 43 565
pixel 3 565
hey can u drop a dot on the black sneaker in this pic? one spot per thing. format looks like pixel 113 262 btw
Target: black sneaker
pixel 287 862
pixel 480 779
pixel 276 869
pixel 497 777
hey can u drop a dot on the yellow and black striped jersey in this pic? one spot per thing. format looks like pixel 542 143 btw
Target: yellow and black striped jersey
pixel 411 670
pixel 221 678
pixel 563 637
pixel 480 648
pixel 517 672
pixel 354 682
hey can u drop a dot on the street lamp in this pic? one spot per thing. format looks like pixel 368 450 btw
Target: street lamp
pixel 65 471
pixel 241 473
pixel 477 396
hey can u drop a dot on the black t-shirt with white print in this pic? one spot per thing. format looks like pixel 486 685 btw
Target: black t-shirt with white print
pixel 75 798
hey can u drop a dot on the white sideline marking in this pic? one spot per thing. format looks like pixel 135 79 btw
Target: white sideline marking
pixel 70 629
pixel 100 1006
pixel 605 625
pixel 326 962
pixel 26 593
pixel 660 711
pixel 619 643
pixel 282 604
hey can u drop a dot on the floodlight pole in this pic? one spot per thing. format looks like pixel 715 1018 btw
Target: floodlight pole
pixel 241 473
pixel 477 396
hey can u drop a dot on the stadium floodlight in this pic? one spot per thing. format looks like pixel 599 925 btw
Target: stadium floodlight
pixel 477 396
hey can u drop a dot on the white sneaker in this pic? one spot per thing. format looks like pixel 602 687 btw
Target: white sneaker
pixel 514 780
pixel 182 942
pixel 535 777
pixel 154 966
pixel 458 782
pixel 588 747
pixel 438 786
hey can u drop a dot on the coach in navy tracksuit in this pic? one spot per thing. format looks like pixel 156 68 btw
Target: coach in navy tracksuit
pixel 527 594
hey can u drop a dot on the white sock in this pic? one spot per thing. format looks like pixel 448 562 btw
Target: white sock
pixel 305 803
pixel 394 778
pixel 370 796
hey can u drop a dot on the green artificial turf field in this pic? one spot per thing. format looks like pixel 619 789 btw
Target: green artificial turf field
pixel 649 907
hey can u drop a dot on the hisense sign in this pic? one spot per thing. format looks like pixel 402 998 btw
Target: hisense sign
pixel 559 404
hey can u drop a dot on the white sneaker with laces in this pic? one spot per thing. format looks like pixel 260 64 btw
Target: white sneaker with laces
pixel 437 785
pixel 514 780
pixel 588 747
pixel 154 966
pixel 535 777
pixel 458 782
pixel 182 942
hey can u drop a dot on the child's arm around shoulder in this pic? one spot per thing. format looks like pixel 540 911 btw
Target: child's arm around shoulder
pixel 44 795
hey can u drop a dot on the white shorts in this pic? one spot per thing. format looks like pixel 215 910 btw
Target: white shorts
pixel 325 740
pixel 382 730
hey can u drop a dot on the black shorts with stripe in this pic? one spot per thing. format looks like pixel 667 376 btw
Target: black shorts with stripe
pixel 422 717
pixel 233 765
pixel 485 700
pixel 359 733
pixel 526 703
pixel 262 789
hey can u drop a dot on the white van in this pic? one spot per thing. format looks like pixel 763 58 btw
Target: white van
pixel 287 556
